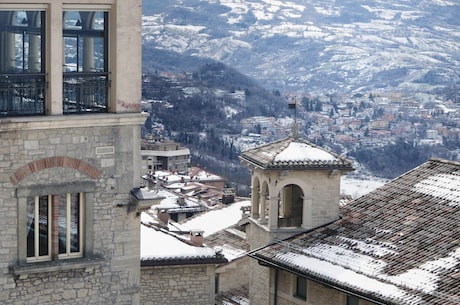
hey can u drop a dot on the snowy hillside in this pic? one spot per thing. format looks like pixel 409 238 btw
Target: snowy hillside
pixel 316 46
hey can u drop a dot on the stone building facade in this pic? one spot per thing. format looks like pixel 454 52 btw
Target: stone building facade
pixel 70 122
pixel 192 284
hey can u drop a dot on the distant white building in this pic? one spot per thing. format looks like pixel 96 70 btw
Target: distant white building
pixel 161 154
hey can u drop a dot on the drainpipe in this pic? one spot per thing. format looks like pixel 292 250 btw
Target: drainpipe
pixel 275 295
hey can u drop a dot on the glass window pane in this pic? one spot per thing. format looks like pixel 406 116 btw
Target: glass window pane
pixel 75 223
pixel 43 212
pixel 22 62
pixel 62 224
pixel 72 57
pixel 21 41
pixel 31 227
pixel 72 20
pixel 85 81
pixel 85 41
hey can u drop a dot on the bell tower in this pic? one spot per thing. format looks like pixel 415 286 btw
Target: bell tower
pixel 295 187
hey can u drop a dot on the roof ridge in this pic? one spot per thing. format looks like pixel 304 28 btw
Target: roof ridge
pixel 285 145
pixel 445 161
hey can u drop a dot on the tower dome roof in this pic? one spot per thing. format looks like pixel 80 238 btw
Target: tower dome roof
pixel 292 153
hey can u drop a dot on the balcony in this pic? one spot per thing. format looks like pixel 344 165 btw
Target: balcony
pixel 85 92
pixel 22 94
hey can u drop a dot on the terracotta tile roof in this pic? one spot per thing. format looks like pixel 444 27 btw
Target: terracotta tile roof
pixel 400 244
pixel 231 242
pixel 291 153
pixel 161 247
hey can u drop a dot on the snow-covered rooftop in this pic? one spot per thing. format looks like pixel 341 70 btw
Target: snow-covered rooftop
pixel 297 151
pixel 217 219
pixel 292 153
pixel 173 201
pixel 158 244
pixel 397 244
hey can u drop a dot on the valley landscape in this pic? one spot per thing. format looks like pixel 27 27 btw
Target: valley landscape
pixel 372 80
pixel 316 46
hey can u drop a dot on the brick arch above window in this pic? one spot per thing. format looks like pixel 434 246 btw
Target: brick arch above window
pixel 66 162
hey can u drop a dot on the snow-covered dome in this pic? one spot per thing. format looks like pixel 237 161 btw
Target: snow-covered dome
pixel 291 153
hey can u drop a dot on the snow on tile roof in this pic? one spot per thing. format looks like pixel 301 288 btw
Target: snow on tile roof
pixel 342 275
pixel 217 219
pixel 231 242
pixel 294 153
pixel 229 252
pixel 160 245
pixel 170 201
pixel 199 174
pixel 442 186
pixel 398 244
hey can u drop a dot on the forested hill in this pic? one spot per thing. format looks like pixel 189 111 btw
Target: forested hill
pixel 199 107
pixel 213 97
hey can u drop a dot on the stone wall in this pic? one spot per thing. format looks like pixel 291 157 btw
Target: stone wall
pixel 259 276
pixel 39 156
pixel 234 274
pixel 259 284
pixel 178 285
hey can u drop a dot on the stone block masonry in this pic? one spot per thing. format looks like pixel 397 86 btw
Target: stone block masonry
pixel 177 285
pixel 53 160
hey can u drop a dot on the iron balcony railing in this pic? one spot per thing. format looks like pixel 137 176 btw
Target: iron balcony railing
pixel 22 94
pixel 85 92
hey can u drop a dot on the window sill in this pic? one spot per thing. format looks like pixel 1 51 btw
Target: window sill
pixel 298 297
pixel 88 263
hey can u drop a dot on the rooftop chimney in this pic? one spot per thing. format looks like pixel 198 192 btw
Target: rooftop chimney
pixel 163 216
pixel 197 237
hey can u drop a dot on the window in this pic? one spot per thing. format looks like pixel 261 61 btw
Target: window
pixel 352 300
pixel 85 87
pixel 54 226
pixel 301 288
pixel 38 228
pixel 22 62
pixel 55 231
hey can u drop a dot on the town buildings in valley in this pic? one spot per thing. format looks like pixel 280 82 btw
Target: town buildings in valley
pixel 358 121
pixel 162 154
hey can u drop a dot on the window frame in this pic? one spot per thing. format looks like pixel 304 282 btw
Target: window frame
pixel 86 189
pixel 81 85
pixel 80 34
pixel 36 239
pixel 299 282
pixel 81 218
pixel 24 90
pixel 53 234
